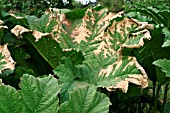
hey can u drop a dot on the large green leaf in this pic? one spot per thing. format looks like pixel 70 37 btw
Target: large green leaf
pixel 9 100
pixel 39 94
pixel 86 100
pixel 165 66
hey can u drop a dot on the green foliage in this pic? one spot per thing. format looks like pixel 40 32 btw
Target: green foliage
pixel 90 52
pixel 34 96
pixel 166 32
pixel 89 101
pixel 164 64
pixel 76 14
pixel 157 13
pixel 9 100
pixel 41 23
pixel 48 49
pixel 40 95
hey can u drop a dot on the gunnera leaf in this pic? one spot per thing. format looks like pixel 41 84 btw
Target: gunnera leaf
pixel 102 38
pixel 86 100
pixel 9 100
pixel 39 94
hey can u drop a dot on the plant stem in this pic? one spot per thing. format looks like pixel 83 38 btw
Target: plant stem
pixel 153 96
pixel 156 99
pixel 165 97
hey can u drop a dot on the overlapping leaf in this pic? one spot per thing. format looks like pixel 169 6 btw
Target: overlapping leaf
pixel 43 37
pixel 86 100
pixel 39 94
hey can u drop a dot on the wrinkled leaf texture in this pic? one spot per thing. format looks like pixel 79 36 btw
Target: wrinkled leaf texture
pixel 102 41
pixel 86 100
pixel 36 95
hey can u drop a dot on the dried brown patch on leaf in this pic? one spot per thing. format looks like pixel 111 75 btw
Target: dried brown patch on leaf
pixel 17 17
pixel 19 30
pixel 128 39
pixel 38 35
pixel 142 25
pixel 135 78
pixel 60 19
pixel 107 18
pixel 1 26
pixel 10 63
pixel 81 32
pixel 122 85
pixel 1 22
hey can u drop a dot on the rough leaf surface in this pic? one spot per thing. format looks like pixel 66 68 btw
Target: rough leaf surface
pixel 39 94
pixel 86 100
pixel 9 100
pixel 103 38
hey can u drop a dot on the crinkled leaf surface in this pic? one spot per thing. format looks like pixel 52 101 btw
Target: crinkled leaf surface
pixel 86 100
pixel 9 100
pixel 36 95
pixel 102 38
pixel 165 66
pixel 46 45
pixel 39 94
